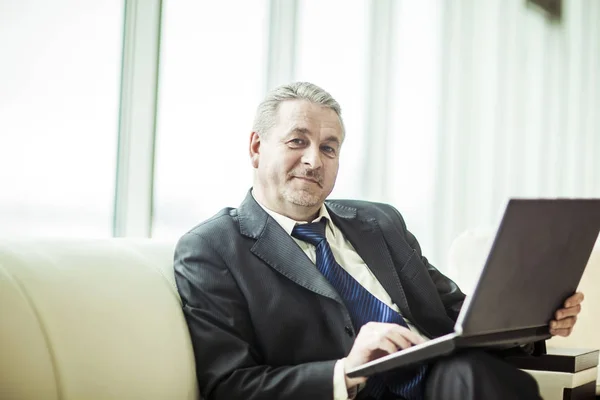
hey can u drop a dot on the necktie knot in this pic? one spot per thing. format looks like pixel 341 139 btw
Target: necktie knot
pixel 313 233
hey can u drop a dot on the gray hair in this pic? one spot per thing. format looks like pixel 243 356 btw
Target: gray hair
pixel 266 114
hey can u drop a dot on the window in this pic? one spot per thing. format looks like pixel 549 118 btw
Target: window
pixel 331 54
pixel 211 80
pixel 59 105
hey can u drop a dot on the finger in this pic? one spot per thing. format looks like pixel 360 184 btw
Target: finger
pixel 386 345
pixel 400 335
pixel 399 340
pixel 567 312
pixel 376 336
pixel 561 332
pixel 563 323
pixel 384 328
pixel 574 300
pixel 409 335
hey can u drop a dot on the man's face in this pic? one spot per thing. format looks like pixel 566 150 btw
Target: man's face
pixel 297 160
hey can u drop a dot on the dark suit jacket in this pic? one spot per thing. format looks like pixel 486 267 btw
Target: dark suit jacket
pixel 264 322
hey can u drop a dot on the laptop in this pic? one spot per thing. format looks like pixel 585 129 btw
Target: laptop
pixel 536 261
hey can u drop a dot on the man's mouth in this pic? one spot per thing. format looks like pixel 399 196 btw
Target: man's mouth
pixel 305 178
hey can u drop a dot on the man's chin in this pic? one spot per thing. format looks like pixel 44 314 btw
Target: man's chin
pixel 303 198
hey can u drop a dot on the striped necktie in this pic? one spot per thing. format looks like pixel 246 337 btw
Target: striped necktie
pixel 363 307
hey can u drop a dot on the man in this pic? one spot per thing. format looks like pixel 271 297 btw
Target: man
pixel 287 292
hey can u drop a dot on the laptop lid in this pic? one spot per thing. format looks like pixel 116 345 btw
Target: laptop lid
pixel 536 261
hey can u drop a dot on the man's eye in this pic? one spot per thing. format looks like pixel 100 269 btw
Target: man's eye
pixel 328 149
pixel 296 142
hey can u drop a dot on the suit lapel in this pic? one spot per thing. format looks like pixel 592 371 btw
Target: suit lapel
pixel 277 249
pixel 366 237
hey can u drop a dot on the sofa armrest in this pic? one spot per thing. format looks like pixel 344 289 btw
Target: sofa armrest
pixel 566 386
pixel 562 373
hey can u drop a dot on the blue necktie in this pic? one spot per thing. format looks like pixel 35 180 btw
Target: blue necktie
pixel 363 307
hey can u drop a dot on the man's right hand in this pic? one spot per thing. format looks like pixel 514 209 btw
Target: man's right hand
pixel 375 340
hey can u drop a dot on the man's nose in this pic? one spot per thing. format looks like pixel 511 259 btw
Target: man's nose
pixel 312 157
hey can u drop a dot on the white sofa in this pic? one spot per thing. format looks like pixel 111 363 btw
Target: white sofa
pixel 101 319
pixel 92 319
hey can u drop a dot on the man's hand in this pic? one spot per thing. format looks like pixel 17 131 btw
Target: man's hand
pixel 566 317
pixel 375 340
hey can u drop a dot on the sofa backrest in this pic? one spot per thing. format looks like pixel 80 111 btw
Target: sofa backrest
pixel 92 319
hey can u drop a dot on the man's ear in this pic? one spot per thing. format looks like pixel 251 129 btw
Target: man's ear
pixel 254 149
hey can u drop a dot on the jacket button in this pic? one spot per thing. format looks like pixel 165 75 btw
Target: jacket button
pixel 349 331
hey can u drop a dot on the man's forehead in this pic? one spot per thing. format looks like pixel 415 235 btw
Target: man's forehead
pixel 306 117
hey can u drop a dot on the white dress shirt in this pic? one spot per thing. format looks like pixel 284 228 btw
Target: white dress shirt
pixel 347 258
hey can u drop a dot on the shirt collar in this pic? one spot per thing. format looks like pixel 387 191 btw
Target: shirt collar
pixel 288 224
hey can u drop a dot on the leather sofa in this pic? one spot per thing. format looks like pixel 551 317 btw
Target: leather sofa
pixel 101 319
pixel 92 319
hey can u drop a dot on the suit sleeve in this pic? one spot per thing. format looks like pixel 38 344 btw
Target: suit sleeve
pixel 228 363
pixel 449 292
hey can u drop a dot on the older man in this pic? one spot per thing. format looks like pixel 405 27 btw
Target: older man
pixel 287 292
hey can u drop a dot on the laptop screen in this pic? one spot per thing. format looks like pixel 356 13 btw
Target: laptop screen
pixel 538 257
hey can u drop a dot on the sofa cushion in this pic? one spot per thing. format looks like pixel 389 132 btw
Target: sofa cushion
pixel 92 319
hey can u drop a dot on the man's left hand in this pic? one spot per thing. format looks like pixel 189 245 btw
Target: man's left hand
pixel 565 318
